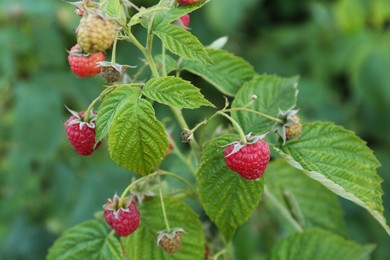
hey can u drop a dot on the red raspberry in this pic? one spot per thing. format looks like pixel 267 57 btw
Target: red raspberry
pixel 185 20
pixel 84 65
pixel 124 220
pixel 81 134
pixel 187 2
pixel 250 160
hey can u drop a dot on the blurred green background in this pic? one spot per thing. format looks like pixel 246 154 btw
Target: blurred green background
pixel 340 49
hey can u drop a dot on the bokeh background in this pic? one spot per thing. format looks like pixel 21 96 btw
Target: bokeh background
pixel 340 49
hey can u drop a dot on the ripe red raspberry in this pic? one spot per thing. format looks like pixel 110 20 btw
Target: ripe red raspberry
pixel 187 2
pixel 81 134
pixel 84 65
pixel 124 220
pixel 249 160
pixel 185 21
pixel 170 242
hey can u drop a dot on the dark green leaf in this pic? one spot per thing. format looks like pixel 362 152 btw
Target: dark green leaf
pixel 273 94
pixel 310 203
pixel 227 198
pixel 320 245
pixel 227 74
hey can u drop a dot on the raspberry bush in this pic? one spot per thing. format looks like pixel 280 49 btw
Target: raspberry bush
pixel 262 153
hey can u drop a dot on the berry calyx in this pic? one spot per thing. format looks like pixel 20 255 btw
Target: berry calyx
pixel 84 65
pixel 170 242
pixel 112 72
pixel 294 130
pixel 187 2
pixel 249 160
pixel 124 219
pixel 81 134
pixel 95 33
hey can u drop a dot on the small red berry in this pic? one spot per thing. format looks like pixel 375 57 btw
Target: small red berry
pixel 249 160
pixel 124 220
pixel 84 65
pixel 81 134
pixel 187 2
pixel 185 20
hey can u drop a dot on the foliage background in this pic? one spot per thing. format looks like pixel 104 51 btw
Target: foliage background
pixel 340 49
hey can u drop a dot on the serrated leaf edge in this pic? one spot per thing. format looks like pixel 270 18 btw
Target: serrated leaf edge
pixel 336 188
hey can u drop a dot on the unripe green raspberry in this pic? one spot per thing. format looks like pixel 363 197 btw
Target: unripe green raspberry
pixel 95 34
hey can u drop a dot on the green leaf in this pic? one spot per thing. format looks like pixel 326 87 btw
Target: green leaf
pixel 309 202
pixel 173 91
pixel 228 74
pixel 175 13
pixel 88 240
pixel 142 244
pixel 114 9
pixel 137 140
pixel 273 94
pixel 145 12
pixel 182 43
pixel 227 198
pixel 320 245
pixel 108 110
pixel 341 161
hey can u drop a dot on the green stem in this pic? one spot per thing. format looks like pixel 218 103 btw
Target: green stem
pixel 285 213
pixel 163 206
pixel 236 126
pixel 113 55
pixel 123 196
pixel 183 125
pixel 93 103
pixel 277 120
pixel 183 158
pixel 179 178
pixel 217 255
pixel 164 67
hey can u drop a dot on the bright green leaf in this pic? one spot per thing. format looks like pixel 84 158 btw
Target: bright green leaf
pixel 137 140
pixel 114 9
pixel 310 203
pixel 175 13
pixel 320 245
pixel 227 198
pixel 88 240
pixel 182 43
pixel 228 73
pixel 176 92
pixel 109 108
pixel 273 94
pixel 145 12
pixel 142 244
pixel 341 161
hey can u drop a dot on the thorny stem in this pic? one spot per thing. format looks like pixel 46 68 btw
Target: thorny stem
pixel 285 213
pixel 163 206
